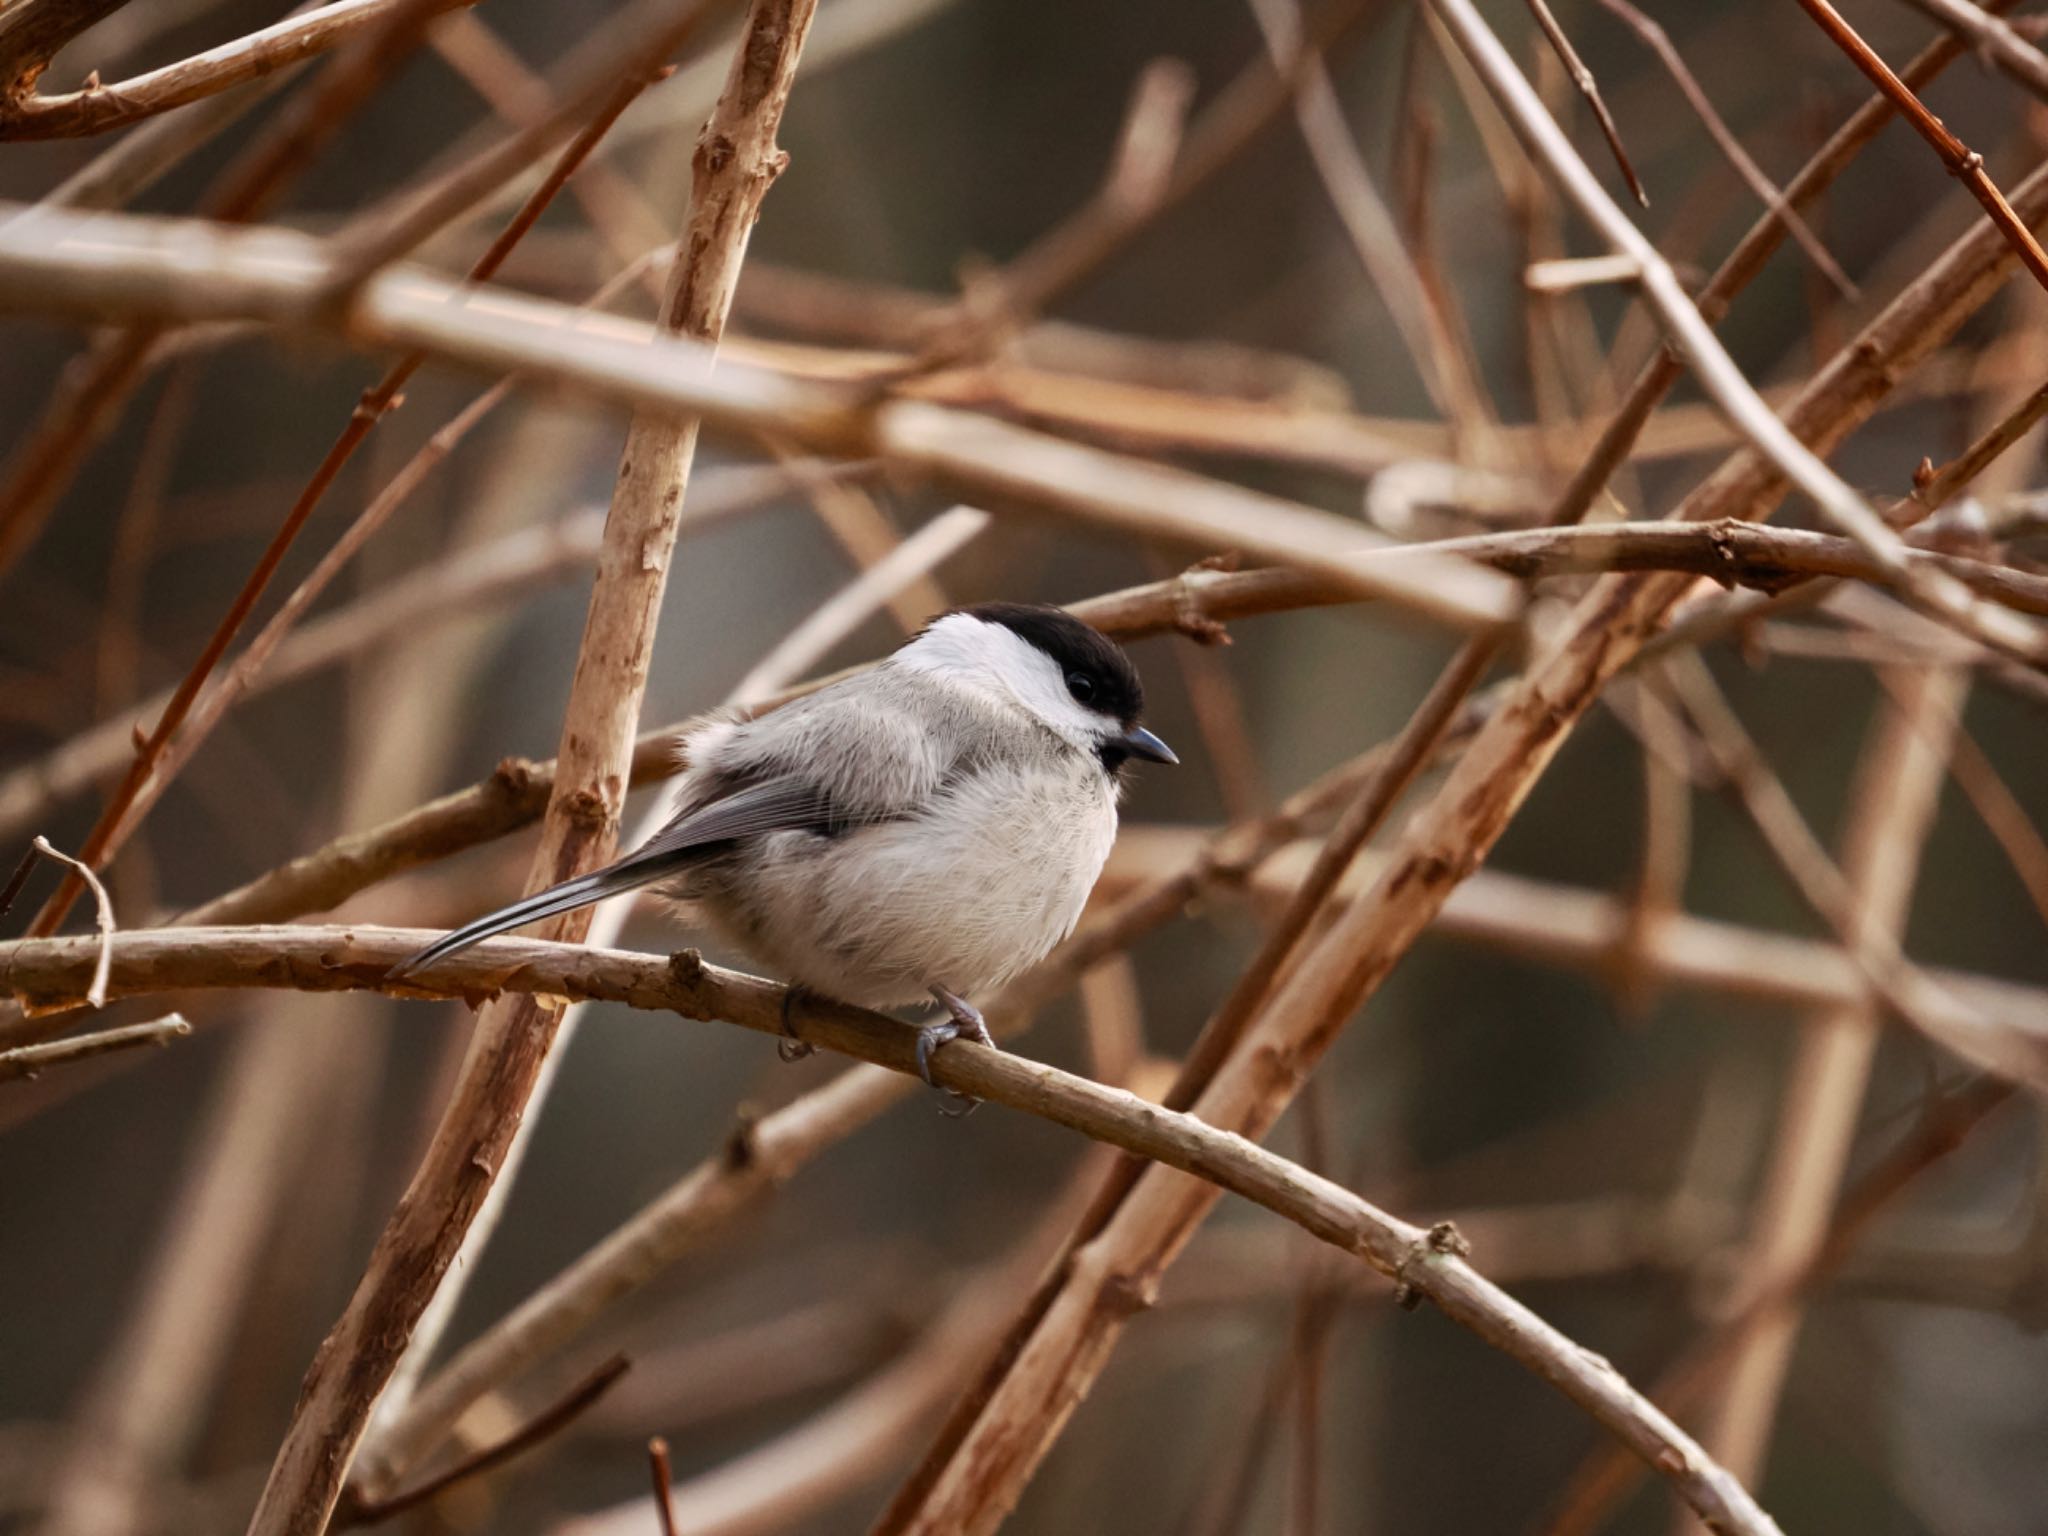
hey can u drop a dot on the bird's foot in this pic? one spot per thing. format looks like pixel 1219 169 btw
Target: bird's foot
pixel 965 1023
pixel 793 1047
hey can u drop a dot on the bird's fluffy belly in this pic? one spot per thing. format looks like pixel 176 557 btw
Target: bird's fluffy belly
pixel 978 887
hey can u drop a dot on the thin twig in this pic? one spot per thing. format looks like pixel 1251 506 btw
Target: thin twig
pixel 548 1423
pixel 1716 371
pixel 664 1506
pixel 1584 83
pixel 447 590
pixel 33 1060
pixel 1892 805
pixel 1663 370
pixel 1994 38
pixel 103 917
pixel 1963 162
pixel 1992 1046
pixel 100 108
pixel 394 31
pixel 1946 1124
pixel 630 48
pixel 1346 179
pixel 1658 41
pixel 1441 847
pixel 987 460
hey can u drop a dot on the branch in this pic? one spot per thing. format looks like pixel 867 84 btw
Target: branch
pixel 1891 812
pixel 1658 41
pixel 1717 372
pixel 551 1421
pixel 736 162
pixel 158 758
pixel 1050 1372
pixel 1734 274
pixel 1996 39
pixel 1963 162
pixel 31 33
pixel 1429 1263
pixel 447 590
pixel 1588 87
pixel 30 1061
pixel 102 108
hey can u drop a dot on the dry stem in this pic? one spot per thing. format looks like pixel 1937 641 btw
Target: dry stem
pixel 736 162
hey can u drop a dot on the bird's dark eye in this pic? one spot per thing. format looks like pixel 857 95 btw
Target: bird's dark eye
pixel 1082 687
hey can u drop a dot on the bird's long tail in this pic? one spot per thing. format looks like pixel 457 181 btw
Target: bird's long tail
pixel 626 875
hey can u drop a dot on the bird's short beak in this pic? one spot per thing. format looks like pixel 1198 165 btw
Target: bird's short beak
pixel 1140 742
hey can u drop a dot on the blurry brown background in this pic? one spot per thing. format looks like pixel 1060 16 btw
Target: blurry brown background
pixel 1615 1149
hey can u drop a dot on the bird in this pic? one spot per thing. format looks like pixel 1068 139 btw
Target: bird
pixel 929 827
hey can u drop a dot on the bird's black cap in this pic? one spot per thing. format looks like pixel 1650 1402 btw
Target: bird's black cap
pixel 1082 652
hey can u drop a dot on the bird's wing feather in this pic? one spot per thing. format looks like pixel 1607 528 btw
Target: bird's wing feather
pixel 785 803
pixel 779 804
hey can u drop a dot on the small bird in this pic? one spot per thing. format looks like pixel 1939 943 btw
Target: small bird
pixel 931 826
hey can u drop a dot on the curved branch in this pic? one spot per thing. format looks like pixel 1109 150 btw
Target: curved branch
pixel 1425 1262
pixel 102 108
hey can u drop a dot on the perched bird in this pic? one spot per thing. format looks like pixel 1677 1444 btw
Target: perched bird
pixel 931 826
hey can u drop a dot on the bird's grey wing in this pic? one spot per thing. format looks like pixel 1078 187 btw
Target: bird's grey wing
pixel 784 803
pixel 727 813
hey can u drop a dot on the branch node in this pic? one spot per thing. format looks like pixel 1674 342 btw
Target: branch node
pixel 1188 617
pixel 1440 1241
pixel 587 808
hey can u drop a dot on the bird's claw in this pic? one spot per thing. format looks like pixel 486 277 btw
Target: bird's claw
pixel 793 1047
pixel 966 1023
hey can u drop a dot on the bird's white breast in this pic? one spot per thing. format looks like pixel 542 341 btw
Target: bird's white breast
pixel 968 892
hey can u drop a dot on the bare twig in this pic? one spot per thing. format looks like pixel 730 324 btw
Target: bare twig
pixel 1898 786
pixel 1319 115
pixel 154 764
pixel 31 32
pixel 103 916
pixel 1994 38
pixel 987 460
pixel 1992 1046
pixel 1442 845
pixel 1717 372
pixel 551 1421
pixel 664 1506
pixel 33 1060
pixel 442 591
pixel 630 48
pixel 1584 83
pixel 1935 490
pixel 1559 925
pixel 1948 1122
pixel 1734 274
pixel 1963 163
pixel 100 108
pixel 1658 41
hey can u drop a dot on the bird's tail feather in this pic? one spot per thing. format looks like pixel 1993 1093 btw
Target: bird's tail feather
pixel 626 875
